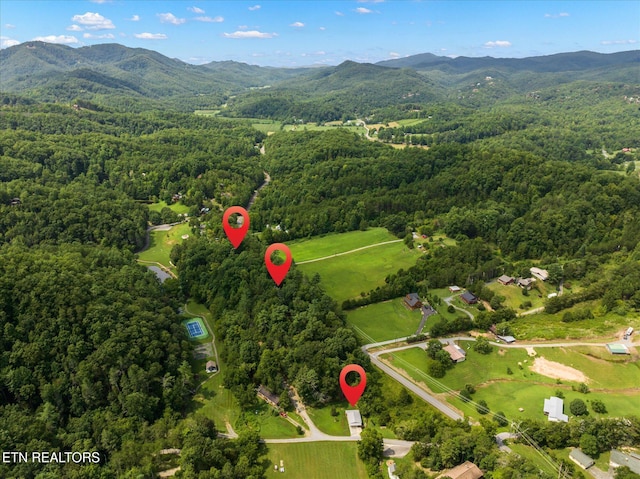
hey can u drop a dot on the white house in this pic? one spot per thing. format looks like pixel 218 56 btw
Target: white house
pixel 553 408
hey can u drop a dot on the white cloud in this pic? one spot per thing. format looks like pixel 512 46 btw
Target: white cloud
pixel 170 18
pixel 93 21
pixel 100 1
pixel 556 15
pixel 135 18
pixel 618 42
pixel 394 54
pixel 195 10
pixel 322 29
pixel 255 7
pixel 363 10
pixel 210 20
pixel 297 24
pixel 106 35
pixel 6 42
pixel 9 26
pixel 243 27
pixel 75 28
pixel 150 36
pixel 340 14
pixel 249 34
pixel 64 39
pixel 370 1
pixel 498 43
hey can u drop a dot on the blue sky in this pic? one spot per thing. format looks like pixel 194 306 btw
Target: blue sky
pixel 301 33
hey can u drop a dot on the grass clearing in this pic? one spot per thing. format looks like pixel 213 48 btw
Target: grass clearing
pixel 347 276
pixel 162 242
pixel 318 460
pixel 321 246
pixel 514 296
pixel 315 127
pixel 177 208
pixel 266 421
pixel 335 426
pixel 387 320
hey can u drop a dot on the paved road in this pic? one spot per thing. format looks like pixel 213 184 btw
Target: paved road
pixel 267 180
pixel 448 300
pixel 348 252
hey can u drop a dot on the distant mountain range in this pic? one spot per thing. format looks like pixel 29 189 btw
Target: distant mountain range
pixel 52 72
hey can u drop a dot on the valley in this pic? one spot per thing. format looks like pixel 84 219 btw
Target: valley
pixel 426 201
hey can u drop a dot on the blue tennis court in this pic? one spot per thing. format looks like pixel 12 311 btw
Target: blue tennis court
pixel 195 328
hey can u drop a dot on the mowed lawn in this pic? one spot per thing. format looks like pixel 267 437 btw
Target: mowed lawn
pixel 387 320
pixel 321 246
pixel 317 460
pixel 177 208
pixel 524 388
pixel 162 242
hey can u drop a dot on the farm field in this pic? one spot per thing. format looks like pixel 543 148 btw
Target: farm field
pixel 386 320
pixel 525 388
pixel 321 246
pixel 318 460
pixel 161 243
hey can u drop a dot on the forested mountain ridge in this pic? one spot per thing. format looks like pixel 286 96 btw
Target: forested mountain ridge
pixel 560 62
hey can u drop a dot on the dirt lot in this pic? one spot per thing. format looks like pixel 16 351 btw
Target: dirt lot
pixel 555 370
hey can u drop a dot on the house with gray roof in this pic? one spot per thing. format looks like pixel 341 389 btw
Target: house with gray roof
pixel 619 459
pixel 581 459
pixel 554 409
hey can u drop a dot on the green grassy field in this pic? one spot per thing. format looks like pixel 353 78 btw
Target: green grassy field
pixel 161 243
pixel 321 246
pixel 514 296
pixel 318 460
pixel 322 418
pixel 524 388
pixel 387 320
pixel 315 127
pixel 178 208
pixel 608 327
pixel 347 276
pixel 263 420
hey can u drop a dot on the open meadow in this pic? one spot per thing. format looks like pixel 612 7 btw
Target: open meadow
pixel 317 460
pixel 330 244
pixel 386 320
pixel 177 208
pixel 613 382
pixel 347 275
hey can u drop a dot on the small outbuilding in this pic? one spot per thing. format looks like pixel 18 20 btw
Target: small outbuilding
pixel 455 289
pixel 354 418
pixel 506 280
pixel 507 339
pixel 525 283
pixel 581 459
pixel 541 274
pixel 212 366
pixel 616 348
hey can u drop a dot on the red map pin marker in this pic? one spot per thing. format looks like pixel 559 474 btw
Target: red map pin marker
pixel 278 271
pixel 236 235
pixel 352 393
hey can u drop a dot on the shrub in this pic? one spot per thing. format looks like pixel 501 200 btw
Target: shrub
pixel 482 407
pixel 578 407
pixel 598 406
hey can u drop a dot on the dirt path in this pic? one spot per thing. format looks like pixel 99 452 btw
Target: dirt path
pixel 348 252
pixel 252 200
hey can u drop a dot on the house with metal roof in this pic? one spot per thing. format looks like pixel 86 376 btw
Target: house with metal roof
pixel 616 348
pixel 456 353
pixel 354 418
pixel 554 409
pixel 466 470
pixel 619 459
pixel 541 274
pixel 581 459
